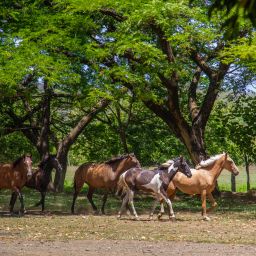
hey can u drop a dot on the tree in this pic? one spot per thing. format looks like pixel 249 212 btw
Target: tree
pixel 235 12
pixel 38 72
pixel 168 54
pixel 241 122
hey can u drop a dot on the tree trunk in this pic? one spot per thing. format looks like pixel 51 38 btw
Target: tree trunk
pixel 233 182
pixel 67 142
pixel 247 166
pixel 62 157
pixel 123 139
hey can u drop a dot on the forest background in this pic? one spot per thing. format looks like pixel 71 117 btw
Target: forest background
pixel 89 81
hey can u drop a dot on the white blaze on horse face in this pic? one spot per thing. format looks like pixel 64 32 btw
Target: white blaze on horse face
pixel 28 163
pixel 172 168
pixel 154 184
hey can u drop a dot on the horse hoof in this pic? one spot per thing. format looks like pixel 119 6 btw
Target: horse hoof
pixel 21 213
pixel 206 218
pixel 172 218
pixel 159 216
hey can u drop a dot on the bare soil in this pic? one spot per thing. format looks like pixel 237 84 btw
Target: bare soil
pixel 119 247
pixel 64 234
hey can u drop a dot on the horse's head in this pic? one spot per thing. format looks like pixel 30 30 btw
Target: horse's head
pixel 181 165
pixel 230 165
pixel 134 161
pixel 55 163
pixel 27 161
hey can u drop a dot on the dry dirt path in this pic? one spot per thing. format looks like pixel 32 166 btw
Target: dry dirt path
pixel 119 247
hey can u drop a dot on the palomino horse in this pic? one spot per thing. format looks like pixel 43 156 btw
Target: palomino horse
pixel 41 178
pixel 203 180
pixel 14 176
pixel 154 182
pixel 101 175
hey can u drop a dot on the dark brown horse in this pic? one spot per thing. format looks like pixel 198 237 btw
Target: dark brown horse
pixel 14 176
pixel 153 182
pixel 41 178
pixel 101 175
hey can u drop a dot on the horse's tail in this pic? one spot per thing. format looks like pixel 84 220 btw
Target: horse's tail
pixel 121 186
pixel 80 176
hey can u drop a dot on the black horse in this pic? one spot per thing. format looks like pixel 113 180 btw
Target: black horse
pixel 41 178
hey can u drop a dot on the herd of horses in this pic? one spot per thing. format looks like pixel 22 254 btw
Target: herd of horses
pixel 123 174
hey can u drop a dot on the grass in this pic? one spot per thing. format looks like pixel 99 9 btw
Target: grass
pixel 234 221
pixel 224 180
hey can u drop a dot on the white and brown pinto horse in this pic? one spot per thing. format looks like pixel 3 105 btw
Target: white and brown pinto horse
pixel 203 180
pixel 152 182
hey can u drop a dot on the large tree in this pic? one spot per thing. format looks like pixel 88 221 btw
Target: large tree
pixel 169 55
pixel 47 90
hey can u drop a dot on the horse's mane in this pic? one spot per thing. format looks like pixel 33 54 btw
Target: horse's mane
pixel 17 161
pixel 118 158
pixel 167 163
pixel 210 161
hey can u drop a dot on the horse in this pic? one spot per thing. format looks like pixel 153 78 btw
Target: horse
pixel 203 180
pixel 41 178
pixel 154 182
pixel 101 175
pixel 14 176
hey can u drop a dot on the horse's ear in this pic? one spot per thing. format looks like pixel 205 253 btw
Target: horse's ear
pixel 226 155
pixel 181 158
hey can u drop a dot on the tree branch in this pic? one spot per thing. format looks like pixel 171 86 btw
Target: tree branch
pixel 192 101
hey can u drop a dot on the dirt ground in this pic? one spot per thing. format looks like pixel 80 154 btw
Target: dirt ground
pixel 119 247
pixel 51 234
pixel 231 231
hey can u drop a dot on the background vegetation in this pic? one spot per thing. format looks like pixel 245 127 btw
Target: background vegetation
pixel 89 81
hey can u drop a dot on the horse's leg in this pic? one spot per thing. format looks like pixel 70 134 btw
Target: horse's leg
pixel 89 196
pixel 43 199
pixel 159 199
pixel 104 200
pixel 124 205
pixel 131 196
pixel 171 191
pixel 212 201
pixel 163 195
pixel 153 209
pixel 77 189
pixel 160 214
pixel 12 201
pixel 203 199
pixel 74 201
pixel 22 207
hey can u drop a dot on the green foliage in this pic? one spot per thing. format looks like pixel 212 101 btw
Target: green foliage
pixel 235 12
pixel 14 145
pixel 81 52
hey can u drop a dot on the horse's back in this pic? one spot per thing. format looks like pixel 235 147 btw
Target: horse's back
pixel 90 171
pixel 199 180
pixel 6 175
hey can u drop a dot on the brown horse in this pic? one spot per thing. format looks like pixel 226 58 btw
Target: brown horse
pixel 14 176
pixel 101 175
pixel 203 180
pixel 41 178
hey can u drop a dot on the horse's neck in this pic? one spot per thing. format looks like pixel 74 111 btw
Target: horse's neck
pixel 216 168
pixel 46 169
pixel 117 169
pixel 21 168
pixel 172 173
